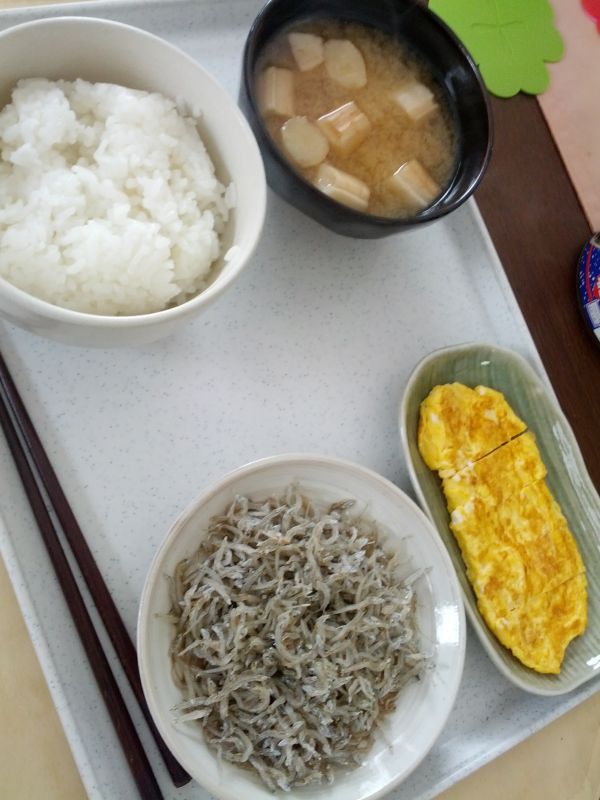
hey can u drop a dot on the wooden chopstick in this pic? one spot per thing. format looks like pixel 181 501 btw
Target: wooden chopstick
pixel 124 727
pixel 109 614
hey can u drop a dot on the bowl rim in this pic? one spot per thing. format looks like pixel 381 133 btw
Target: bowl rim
pixel 50 311
pixel 229 479
pixel 428 214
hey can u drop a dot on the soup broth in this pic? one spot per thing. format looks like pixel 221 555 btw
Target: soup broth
pixel 377 136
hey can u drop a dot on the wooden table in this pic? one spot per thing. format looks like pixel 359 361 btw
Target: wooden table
pixel 538 228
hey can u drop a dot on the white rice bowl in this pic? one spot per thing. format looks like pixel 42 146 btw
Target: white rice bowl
pixel 109 203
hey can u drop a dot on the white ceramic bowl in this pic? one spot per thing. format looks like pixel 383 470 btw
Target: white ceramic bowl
pixel 102 51
pixel 423 706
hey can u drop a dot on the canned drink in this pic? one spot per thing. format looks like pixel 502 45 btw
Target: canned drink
pixel 588 285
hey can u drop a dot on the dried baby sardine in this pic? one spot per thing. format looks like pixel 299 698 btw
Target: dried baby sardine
pixel 295 631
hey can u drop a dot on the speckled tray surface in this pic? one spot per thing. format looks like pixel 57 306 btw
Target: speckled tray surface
pixel 309 351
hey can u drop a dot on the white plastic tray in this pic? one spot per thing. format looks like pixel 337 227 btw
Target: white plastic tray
pixel 310 351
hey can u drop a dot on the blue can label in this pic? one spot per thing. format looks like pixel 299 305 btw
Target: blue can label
pixel 589 284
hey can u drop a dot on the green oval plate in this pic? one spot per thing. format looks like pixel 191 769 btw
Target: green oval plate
pixel 568 479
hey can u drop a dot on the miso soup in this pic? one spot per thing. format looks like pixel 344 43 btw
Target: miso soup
pixel 359 115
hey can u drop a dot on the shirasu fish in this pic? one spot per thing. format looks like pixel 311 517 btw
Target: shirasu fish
pixel 294 633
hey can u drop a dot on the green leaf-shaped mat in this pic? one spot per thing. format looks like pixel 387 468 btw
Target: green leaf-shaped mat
pixel 509 39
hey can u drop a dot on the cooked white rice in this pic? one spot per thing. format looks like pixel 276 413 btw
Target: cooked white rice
pixel 109 202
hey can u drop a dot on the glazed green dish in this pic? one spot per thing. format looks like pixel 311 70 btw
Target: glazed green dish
pixel 567 478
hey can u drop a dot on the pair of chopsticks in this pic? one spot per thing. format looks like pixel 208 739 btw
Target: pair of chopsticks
pixel 42 487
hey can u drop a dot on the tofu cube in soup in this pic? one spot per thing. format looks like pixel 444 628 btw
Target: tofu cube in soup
pixel 304 142
pixel 414 184
pixel 416 100
pixel 276 92
pixel 307 50
pixel 344 63
pixel 346 127
pixel 344 188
